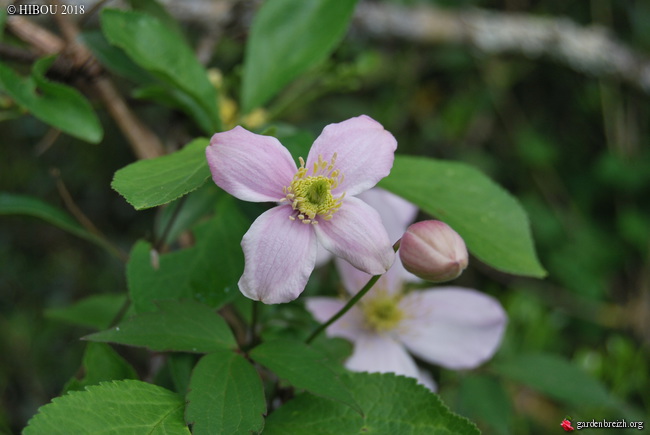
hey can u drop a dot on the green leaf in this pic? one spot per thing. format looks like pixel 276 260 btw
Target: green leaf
pixel 114 58
pixel 172 97
pixel 305 368
pixel 182 326
pixel 491 221
pixel 556 377
pixel 182 214
pixel 116 408
pixel 484 400
pixel 101 363
pixel 207 272
pixel 158 49
pixel 11 204
pixel 55 104
pixel 287 38
pixel 392 405
pixel 155 9
pixel 96 311
pixel 226 396
pixel 149 183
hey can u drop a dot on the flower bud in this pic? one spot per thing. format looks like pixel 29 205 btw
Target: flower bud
pixel 433 251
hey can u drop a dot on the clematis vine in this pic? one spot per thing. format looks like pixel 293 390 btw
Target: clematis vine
pixel 316 202
pixel 454 327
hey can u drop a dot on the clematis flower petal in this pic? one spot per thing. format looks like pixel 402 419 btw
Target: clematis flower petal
pixel 454 327
pixel 365 152
pixel 396 212
pixel 250 166
pixel 381 353
pixel 349 326
pixel 353 279
pixel 356 234
pixel 279 257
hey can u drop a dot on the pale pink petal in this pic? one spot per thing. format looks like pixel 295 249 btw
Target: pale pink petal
pixel 425 378
pixel 349 326
pixel 396 212
pixel 354 280
pixel 279 257
pixel 381 353
pixel 454 327
pixel 250 166
pixel 356 234
pixel 365 152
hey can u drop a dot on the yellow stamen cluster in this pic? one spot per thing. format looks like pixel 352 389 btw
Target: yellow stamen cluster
pixel 382 312
pixel 311 195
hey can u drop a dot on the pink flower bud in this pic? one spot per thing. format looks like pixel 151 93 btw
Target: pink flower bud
pixel 433 251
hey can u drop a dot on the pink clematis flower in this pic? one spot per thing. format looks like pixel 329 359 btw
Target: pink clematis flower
pixel 454 327
pixel 316 202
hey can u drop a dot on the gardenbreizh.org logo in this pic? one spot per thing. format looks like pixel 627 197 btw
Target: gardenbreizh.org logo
pixel 567 424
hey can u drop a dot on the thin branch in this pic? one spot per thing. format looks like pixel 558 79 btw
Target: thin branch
pixel 143 141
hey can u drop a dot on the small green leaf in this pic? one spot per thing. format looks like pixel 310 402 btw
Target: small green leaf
pixel 392 405
pixel 556 377
pixel 158 49
pixel 97 311
pixel 207 272
pixel 226 396
pixel 182 326
pixel 101 363
pixel 11 204
pixel 287 38
pixel 117 408
pixel 491 221
pixel 55 104
pixel 149 183
pixel 305 368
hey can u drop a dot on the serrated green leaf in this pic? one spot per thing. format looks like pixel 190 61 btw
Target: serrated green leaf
pixel 11 204
pixel 149 183
pixel 392 405
pixel 158 49
pixel 112 408
pixel 305 368
pixel 101 363
pixel 226 396
pixel 97 311
pixel 491 221
pixel 55 104
pixel 556 377
pixel 287 38
pixel 182 326
pixel 207 272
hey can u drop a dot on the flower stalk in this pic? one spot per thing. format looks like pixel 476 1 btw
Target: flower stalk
pixel 366 288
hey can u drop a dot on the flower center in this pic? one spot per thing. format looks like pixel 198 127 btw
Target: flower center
pixel 311 195
pixel 382 313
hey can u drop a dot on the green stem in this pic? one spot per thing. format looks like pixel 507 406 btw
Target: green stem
pixel 366 288
pixel 345 309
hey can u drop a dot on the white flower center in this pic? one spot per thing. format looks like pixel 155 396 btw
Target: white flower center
pixel 311 195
